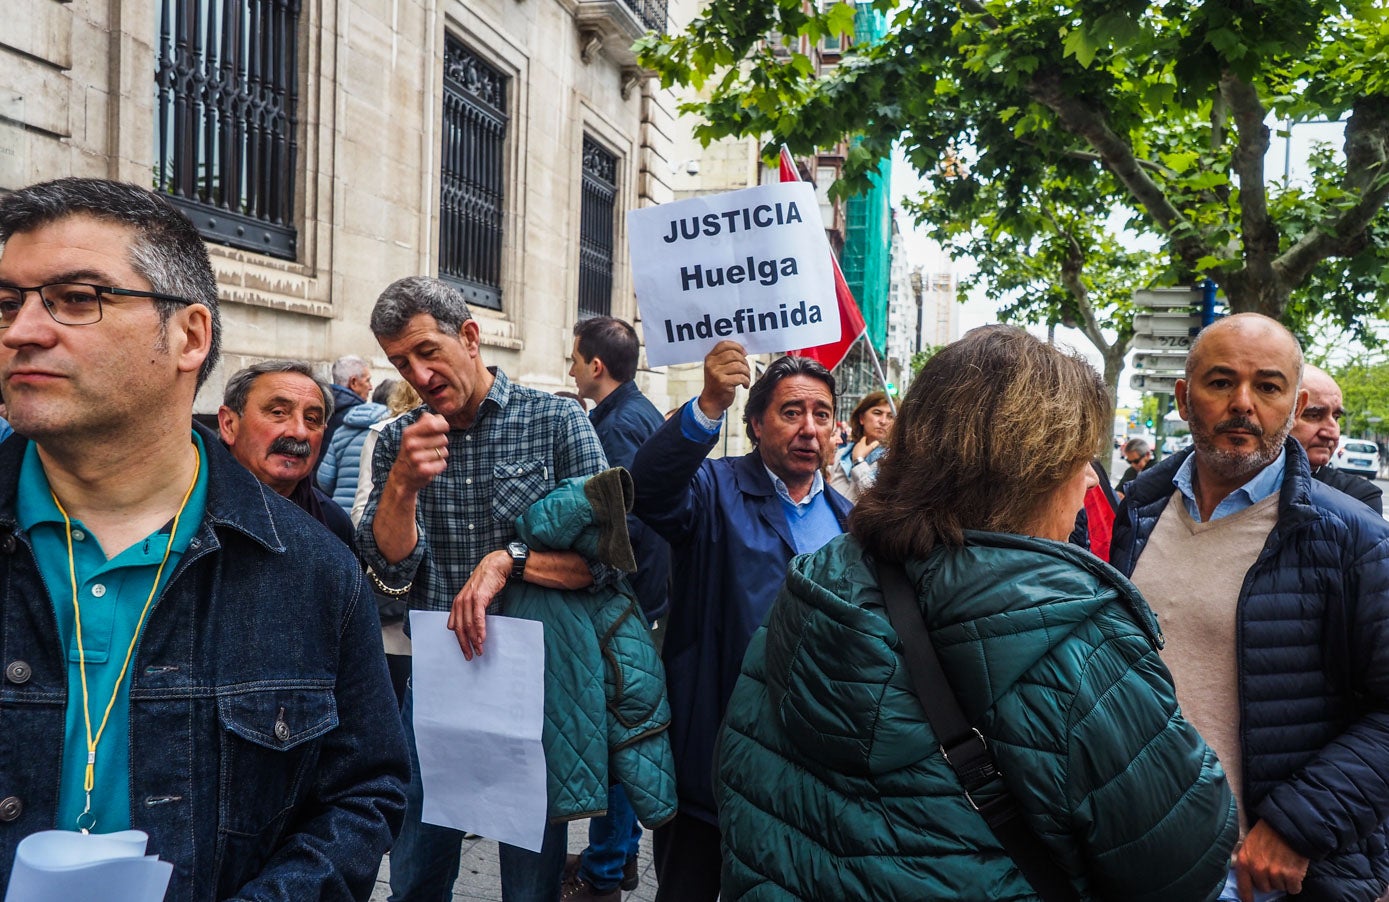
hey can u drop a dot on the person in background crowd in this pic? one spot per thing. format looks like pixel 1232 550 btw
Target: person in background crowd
pixel 391 607
pixel 1138 453
pixel 1318 430
pixel 857 462
pixel 830 786
pixel 339 470
pixel 603 364
pixel 249 726
pixel 351 386
pixel 450 479
pixel 5 430
pixel 1273 593
pixel 1095 523
pixel 272 420
pixel 733 524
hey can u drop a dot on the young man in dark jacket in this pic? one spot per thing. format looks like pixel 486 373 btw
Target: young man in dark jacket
pixel 603 365
pixel 252 730
pixel 1273 593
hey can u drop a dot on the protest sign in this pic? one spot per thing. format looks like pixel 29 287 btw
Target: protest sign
pixel 751 266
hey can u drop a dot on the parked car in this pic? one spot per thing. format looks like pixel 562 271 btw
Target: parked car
pixel 1358 456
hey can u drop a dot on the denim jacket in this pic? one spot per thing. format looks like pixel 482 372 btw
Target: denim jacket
pixel 267 759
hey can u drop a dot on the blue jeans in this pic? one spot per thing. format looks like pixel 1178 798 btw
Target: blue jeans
pixel 424 860
pixel 1231 892
pixel 612 840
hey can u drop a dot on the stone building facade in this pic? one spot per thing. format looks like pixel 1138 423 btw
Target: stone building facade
pixel 496 142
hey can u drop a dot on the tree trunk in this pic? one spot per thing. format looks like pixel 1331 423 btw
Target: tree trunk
pixel 1113 366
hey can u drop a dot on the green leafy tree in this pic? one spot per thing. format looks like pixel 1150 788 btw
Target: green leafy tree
pixel 1167 103
pixel 1365 394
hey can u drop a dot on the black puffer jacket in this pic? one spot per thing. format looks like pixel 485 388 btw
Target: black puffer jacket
pixel 1313 635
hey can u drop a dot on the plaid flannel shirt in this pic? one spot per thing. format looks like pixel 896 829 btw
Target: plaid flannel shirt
pixel 522 444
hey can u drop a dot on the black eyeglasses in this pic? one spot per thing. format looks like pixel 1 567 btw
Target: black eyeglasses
pixel 71 303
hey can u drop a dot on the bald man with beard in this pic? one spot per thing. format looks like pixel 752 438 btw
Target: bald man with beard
pixel 1272 591
pixel 1318 429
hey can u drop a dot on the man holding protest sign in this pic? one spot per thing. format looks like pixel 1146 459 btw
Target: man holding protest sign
pixel 733 525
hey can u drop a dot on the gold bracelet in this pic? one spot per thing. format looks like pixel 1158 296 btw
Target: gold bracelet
pixel 387 590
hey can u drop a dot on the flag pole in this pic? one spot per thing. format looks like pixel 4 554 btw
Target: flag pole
pixel 878 367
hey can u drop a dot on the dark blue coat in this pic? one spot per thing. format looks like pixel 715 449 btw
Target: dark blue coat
pixel 624 420
pixel 1313 647
pixel 730 547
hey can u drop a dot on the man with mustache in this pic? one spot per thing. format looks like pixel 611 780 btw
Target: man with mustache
pixel 733 525
pixel 272 420
pixel 1273 593
pixel 1318 429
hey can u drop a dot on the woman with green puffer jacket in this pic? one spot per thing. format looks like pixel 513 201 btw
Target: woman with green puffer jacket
pixel 831 784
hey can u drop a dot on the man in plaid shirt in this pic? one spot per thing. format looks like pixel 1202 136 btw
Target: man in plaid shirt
pixel 450 479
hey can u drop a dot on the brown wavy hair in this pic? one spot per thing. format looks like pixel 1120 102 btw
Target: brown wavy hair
pixel 992 426
pixel 871 400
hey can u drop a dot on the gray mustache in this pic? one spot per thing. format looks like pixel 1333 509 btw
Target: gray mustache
pixel 292 446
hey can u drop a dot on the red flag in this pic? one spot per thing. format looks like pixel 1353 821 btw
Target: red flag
pixel 851 324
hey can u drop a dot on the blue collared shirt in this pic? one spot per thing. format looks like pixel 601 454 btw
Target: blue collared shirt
pixel 1267 481
pixel 112 594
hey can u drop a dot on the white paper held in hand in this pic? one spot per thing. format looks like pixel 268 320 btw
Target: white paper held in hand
pixel 477 728
pixel 80 867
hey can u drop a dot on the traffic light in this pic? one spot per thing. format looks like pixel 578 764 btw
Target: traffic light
pixel 1149 421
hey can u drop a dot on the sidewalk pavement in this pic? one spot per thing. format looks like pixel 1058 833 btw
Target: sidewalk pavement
pixel 479 878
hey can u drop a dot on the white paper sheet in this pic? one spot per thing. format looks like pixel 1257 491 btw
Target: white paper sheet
pixel 751 266
pixel 99 867
pixel 477 728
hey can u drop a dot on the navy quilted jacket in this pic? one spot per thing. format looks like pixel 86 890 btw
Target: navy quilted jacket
pixel 1313 634
pixel 832 786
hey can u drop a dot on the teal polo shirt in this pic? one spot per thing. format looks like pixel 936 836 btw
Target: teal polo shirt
pixel 111 594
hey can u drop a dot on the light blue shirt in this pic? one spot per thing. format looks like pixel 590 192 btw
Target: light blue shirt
pixel 111 594
pixel 1268 481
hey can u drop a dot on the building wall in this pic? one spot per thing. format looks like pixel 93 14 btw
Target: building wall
pixel 77 97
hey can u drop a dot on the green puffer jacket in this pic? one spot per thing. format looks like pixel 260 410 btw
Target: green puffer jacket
pixel 831 786
pixel 606 712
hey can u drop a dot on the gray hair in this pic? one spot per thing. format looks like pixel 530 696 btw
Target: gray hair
pixel 345 368
pixel 1137 446
pixel 167 250
pixel 239 385
pixel 1238 320
pixel 407 298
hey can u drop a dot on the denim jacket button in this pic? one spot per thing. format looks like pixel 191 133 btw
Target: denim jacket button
pixel 11 808
pixel 8 543
pixel 281 730
pixel 18 672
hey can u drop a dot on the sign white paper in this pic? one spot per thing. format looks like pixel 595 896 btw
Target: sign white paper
pixel 477 728
pixel 750 266
pixel 77 867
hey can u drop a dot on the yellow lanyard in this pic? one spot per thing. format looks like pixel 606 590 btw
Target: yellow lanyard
pixel 90 780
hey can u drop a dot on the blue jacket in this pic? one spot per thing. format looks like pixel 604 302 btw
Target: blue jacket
pixel 1313 649
pixel 341 465
pixel 267 759
pixel 624 420
pixel 730 546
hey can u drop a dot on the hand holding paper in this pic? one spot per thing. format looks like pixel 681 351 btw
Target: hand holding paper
pixel 725 368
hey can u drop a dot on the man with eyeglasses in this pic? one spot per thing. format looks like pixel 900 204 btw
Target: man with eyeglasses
pixel 185 653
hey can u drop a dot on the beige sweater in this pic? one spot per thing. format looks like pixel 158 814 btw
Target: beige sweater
pixel 1191 573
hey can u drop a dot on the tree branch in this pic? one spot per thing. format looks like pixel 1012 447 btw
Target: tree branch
pixel 1086 121
pixel 1367 175
pixel 1257 229
pixel 1096 158
pixel 1071 269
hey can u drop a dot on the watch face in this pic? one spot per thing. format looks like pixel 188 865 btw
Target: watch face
pixel 517 549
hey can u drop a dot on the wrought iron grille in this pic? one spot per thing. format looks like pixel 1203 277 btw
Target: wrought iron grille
pixel 471 196
pixel 226 86
pixel 596 214
pixel 652 13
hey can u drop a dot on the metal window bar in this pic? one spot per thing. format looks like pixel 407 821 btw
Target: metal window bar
pixel 472 166
pixel 597 212
pixel 226 137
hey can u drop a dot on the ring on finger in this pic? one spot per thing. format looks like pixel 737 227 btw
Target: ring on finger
pixel 439 451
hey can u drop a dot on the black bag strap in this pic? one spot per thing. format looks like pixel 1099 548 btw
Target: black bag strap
pixel 963 745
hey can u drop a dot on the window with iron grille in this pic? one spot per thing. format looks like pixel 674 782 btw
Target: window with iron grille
pixel 226 86
pixel 596 215
pixel 471 193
